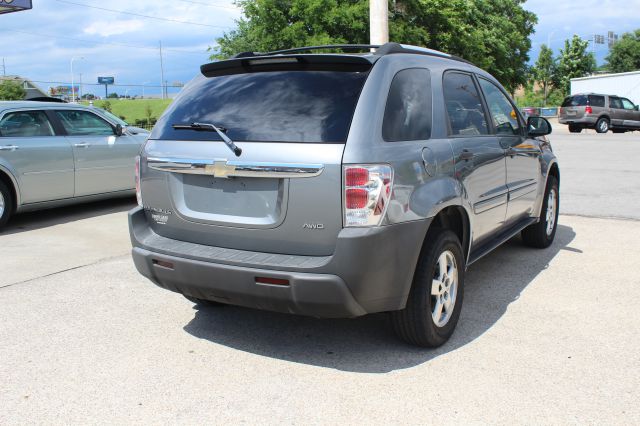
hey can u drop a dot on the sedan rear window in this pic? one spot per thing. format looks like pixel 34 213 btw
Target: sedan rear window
pixel 276 106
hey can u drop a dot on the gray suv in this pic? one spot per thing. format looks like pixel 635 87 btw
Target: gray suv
pixel 599 112
pixel 338 185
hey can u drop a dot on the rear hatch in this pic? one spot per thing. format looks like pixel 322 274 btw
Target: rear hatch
pixel 290 117
pixel 573 107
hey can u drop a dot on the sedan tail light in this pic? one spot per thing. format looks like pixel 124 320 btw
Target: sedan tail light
pixel 138 192
pixel 367 190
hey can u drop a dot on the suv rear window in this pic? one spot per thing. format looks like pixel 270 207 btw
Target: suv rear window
pixel 276 106
pixel 578 100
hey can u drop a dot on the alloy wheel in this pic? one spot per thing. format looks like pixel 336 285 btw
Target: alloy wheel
pixel 444 289
pixel 552 207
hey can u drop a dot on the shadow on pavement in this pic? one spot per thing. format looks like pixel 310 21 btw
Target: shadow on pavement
pixel 367 344
pixel 56 216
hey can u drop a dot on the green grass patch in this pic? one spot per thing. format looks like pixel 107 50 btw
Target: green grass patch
pixel 134 109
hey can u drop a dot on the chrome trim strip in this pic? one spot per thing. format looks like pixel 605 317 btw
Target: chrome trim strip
pixel 523 190
pixel 484 205
pixel 222 168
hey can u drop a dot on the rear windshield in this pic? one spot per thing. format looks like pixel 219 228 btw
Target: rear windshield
pixel 276 106
pixel 579 100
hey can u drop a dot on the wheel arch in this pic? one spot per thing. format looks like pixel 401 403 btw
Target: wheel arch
pixel 456 219
pixel 10 181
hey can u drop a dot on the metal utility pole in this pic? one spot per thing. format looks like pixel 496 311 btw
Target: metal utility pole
pixel 161 71
pixel 378 21
pixel 4 68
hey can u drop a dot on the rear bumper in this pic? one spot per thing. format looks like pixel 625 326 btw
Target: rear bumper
pixel 583 121
pixel 371 270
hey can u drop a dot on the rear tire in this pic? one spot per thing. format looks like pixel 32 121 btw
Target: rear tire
pixel 435 301
pixel 6 204
pixel 602 125
pixel 575 129
pixel 541 234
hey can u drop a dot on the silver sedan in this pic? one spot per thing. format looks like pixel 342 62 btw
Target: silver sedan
pixel 52 154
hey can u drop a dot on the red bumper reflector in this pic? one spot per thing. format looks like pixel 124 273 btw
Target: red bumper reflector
pixel 272 281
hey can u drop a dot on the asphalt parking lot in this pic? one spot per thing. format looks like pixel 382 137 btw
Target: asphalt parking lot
pixel 547 336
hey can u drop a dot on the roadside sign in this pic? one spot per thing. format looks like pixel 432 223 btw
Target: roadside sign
pixel 8 6
pixel 106 80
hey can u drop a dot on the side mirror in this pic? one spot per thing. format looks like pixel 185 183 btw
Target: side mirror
pixel 119 130
pixel 538 126
pixel 637 108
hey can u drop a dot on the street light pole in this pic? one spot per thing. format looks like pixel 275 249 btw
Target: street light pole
pixel 73 91
pixel 378 21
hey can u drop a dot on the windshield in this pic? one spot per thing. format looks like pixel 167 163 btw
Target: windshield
pixel 276 106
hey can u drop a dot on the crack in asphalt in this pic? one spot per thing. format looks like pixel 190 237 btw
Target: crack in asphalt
pixel 591 216
pixel 105 259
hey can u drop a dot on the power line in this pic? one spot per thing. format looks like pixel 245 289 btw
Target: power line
pixel 111 85
pixel 124 12
pixel 216 5
pixel 133 46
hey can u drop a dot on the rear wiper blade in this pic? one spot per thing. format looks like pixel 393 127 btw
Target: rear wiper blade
pixel 210 127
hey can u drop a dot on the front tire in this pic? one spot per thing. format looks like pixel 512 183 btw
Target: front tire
pixel 602 125
pixel 435 301
pixel 6 204
pixel 541 234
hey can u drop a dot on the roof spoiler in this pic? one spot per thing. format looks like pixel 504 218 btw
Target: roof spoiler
pixel 264 63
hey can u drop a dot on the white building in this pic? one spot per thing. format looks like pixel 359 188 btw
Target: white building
pixel 625 84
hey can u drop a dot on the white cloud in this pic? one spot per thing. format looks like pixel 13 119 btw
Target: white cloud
pixel 109 28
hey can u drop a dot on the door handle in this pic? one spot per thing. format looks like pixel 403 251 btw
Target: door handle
pixel 82 145
pixel 9 148
pixel 466 155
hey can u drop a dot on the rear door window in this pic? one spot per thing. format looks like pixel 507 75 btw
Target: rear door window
pixel 596 101
pixel 578 100
pixel 615 102
pixel 25 124
pixel 407 115
pixel 464 105
pixel 275 106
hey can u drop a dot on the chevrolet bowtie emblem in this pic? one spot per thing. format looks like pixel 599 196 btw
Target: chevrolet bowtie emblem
pixel 220 169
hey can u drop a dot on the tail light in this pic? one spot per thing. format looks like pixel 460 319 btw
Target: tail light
pixel 561 110
pixel 138 193
pixel 367 190
pixel 588 110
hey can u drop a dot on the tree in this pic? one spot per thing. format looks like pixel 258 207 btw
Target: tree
pixel 574 62
pixel 113 96
pixel 493 34
pixel 625 54
pixel 11 91
pixel 544 70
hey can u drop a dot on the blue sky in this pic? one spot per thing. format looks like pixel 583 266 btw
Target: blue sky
pixel 40 43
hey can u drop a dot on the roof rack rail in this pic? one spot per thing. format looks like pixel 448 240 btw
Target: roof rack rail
pixel 381 50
